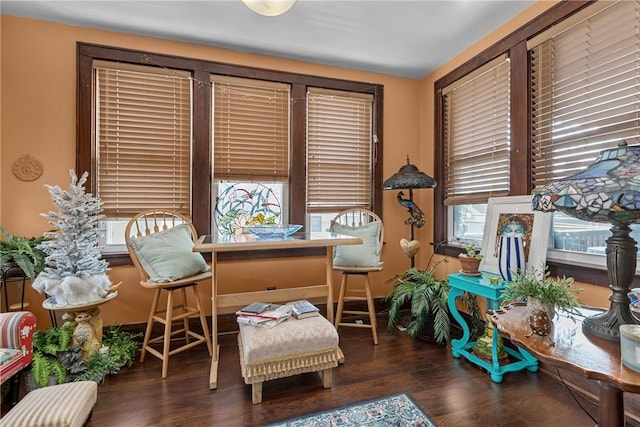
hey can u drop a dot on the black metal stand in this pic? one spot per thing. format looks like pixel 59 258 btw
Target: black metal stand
pixel 621 269
pixel 411 238
pixel 10 272
pixel 416 217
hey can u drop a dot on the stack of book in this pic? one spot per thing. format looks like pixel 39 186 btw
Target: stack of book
pixel 302 309
pixel 263 315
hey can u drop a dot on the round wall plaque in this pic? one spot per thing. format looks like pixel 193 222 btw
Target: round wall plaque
pixel 27 168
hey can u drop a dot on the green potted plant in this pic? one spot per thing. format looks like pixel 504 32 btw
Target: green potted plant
pixel 22 252
pixel 427 297
pixel 56 359
pixel 470 259
pixel 48 345
pixel 540 290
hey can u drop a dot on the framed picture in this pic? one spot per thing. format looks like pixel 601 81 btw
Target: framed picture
pixel 515 215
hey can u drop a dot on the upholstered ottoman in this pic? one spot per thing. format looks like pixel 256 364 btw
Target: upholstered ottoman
pixel 290 348
pixel 63 405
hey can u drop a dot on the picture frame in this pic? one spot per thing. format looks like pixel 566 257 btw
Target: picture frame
pixel 504 213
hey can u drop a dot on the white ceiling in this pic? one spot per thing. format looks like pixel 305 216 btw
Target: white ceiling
pixel 402 38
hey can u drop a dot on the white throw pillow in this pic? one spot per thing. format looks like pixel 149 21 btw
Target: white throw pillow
pixel 168 255
pixel 365 255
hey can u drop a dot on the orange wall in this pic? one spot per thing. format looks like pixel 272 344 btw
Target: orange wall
pixel 38 105
pixel 37 117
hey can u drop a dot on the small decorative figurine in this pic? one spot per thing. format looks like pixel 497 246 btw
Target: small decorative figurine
pixel 84 334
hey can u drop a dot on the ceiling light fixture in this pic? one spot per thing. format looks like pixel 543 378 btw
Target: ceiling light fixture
pixel 269 7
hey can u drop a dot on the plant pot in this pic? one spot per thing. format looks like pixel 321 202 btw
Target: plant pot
pixel 469 265
pixel 534 304
pixel 30 383
pixel 13 270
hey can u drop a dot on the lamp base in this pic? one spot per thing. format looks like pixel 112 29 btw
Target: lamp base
pixel 607 324
pixel 621 267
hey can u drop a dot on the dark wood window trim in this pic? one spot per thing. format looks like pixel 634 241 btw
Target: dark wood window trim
pixel 201 70
pixel 515 45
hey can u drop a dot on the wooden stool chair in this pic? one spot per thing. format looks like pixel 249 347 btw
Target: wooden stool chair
pixel 358 260
pixel 160 244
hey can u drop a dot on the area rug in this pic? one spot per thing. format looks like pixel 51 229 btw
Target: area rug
pixel 398 410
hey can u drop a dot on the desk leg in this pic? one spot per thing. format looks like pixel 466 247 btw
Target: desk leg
pixel 329 266
pixel 457 345
pixel 213 374
pixel 611 407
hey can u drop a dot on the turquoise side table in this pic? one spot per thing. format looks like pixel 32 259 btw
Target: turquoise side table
pixel 462 347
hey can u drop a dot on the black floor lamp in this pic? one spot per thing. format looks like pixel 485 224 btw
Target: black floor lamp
pixel 607 191
pixel 410 178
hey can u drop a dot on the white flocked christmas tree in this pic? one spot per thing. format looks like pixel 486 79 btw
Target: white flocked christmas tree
pixel 75 272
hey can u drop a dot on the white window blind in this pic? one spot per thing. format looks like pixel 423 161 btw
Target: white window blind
pixel 339 150
pixel 585 89
pixel 477 135
pixel 250 130
pixel 143 138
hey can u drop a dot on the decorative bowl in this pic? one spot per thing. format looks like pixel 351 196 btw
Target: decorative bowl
pixel 272 230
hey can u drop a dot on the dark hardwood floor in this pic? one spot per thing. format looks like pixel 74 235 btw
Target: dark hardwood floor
pixel 453 392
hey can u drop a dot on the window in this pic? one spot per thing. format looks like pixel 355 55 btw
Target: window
pixel 477 143
pixel 339 153
pixel 235 126
pixel 585 96
pixel 250 152
pixel 142 142
pixel 573 90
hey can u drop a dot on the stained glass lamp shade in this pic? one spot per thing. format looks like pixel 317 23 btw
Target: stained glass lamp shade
pixel 607 191
pixel 409 177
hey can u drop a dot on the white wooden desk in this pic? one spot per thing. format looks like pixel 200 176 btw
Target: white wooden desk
pixel 229 303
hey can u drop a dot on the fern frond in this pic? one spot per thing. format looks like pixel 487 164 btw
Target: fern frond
pixel 52 340
pixel 58 371
pixel 441 323
pixel 99 366
pixel 40 369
